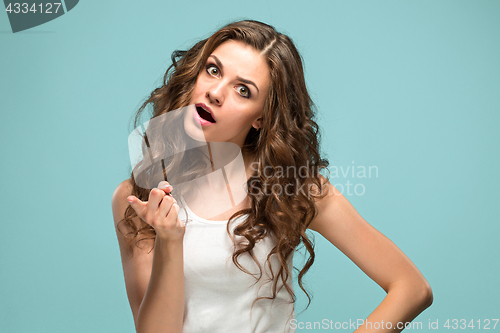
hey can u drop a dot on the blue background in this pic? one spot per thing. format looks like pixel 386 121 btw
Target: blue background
pixel 411 87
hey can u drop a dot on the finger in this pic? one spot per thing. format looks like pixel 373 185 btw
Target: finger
pixel 176 209
pixel 155 197
pixel 137 205
pixel 165 205
pixel 173 215
pixel 165 186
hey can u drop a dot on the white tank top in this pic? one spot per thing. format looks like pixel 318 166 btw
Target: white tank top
pixel 218 295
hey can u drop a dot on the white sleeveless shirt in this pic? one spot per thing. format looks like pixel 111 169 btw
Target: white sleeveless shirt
pixel 218 295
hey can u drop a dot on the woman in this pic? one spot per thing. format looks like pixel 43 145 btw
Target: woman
pixel 247 84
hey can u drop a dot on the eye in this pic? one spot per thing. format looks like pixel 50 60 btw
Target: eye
pixel 243 91
pixel 212 69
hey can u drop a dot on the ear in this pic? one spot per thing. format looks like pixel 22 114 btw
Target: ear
pixel 257 123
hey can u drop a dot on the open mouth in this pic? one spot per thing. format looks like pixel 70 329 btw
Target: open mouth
pixel 205 114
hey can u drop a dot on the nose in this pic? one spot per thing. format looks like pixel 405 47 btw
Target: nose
pixel 215 93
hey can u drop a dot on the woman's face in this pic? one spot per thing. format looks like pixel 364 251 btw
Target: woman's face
pixel 233 87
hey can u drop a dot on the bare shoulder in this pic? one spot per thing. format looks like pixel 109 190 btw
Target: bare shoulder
pixel 119 205
pixel 329 192
pixel 329 206
pixel 119 199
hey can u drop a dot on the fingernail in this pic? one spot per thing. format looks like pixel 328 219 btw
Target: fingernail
pixel 130 199
pixel 169 187
pixel 163 185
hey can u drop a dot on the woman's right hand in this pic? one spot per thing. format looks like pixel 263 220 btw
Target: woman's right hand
pixel 160 212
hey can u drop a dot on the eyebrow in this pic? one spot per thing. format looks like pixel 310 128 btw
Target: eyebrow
pixel 238 78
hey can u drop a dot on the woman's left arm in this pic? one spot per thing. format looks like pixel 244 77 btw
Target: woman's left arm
pixel 408 292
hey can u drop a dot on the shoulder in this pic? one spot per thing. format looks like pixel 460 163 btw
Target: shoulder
pixel 119 201
pixel 325 194
pixel 328 205
pixel 123 190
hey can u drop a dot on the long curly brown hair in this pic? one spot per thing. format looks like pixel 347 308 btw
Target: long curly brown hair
pixel 288 139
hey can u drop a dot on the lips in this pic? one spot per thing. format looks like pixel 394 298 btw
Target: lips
pixel 205 112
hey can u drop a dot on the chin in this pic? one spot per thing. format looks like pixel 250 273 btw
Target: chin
pixel 193 129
